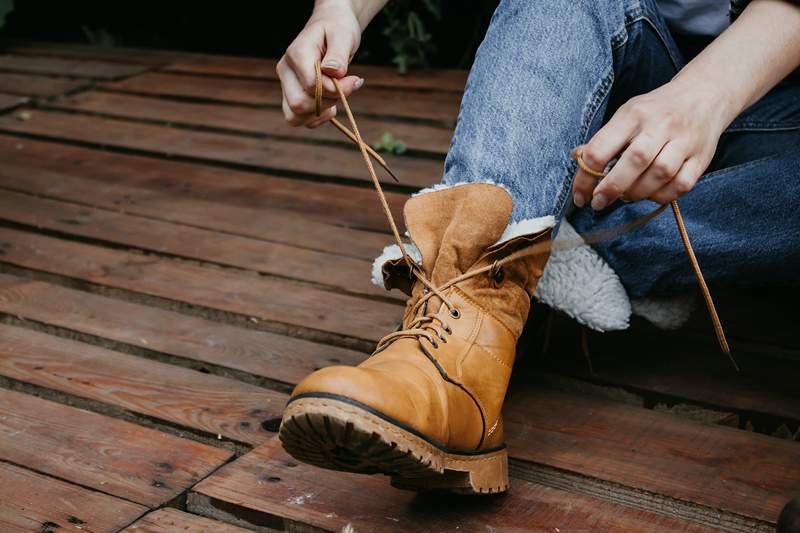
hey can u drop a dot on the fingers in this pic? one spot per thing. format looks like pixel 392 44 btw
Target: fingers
pixel 302 55
pixel 660 172
pixel 340 47
pixel 684 182
pixel 604 146
pixel 633 162
pixel 324 117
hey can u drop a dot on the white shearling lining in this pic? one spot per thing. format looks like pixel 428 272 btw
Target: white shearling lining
pixel 528 226
pixel 580 283
pixel 665 312
pixel 443 186
pixel 390 253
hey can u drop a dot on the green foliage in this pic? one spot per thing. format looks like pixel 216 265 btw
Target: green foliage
pixel 406 33
pixel 6 7
pixel 389 143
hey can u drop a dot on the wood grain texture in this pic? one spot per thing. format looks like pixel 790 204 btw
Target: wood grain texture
pixel 450 80
pixel 435 108
pixel 170 520
pixel 263 298
pixel 84 68
pixel 31 85
pixel 243 203
pixel 33 502
pixel 267 488
pixel 117 54
pixel 719 467
pixel 329 162
pixel 8 101
pixel 276 357
pixel 111 456
pixel 258 121
pixel 208 403
pixel 344 273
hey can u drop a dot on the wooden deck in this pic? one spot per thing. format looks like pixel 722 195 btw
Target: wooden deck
pixel 173 258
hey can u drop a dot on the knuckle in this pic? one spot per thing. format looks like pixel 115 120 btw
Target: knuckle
pixel 682 186
pixel 638 155
pixel 612 189
pixel 662 169
pixel 593 157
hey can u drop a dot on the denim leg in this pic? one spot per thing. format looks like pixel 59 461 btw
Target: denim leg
pixel 742 216
pixel 542 81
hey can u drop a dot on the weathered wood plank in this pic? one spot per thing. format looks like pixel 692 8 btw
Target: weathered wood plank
pixel 266 488
pixel 437 108
pixel 452 80
pixel 344 273
pixel 212 404
pixel 122 459
pixel 676 366
pixel 329 162
pixel 117 54
pixel 30 85
pixel 8 101
pixel 85 68
pixel 272 356
pixel 170 520
pixel 243 203
pixel 718 467
pixel 259 121
pixel 279 301
pixel 33 502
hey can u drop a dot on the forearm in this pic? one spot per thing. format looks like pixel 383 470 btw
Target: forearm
pixel 748 59
pixel 364 10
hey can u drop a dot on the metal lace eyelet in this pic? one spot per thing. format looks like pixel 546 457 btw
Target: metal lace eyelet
pixel 498 275
pixel 448 330
pixel 455 313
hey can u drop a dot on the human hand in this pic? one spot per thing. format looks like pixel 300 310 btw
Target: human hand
pixel 332 30
pixel 664 139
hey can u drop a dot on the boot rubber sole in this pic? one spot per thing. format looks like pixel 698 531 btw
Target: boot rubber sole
pixel 341 434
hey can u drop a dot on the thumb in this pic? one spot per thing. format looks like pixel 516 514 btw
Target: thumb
pixel 337 56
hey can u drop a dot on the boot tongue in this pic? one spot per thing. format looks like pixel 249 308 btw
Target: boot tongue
pixel 453 227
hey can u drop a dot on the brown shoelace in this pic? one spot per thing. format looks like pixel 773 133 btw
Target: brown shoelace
pixel 431 327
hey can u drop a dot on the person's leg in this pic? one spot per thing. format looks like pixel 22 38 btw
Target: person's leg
pixel 543 80
pixel 741 216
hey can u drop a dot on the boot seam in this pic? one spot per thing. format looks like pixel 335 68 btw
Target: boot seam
pixel 475 304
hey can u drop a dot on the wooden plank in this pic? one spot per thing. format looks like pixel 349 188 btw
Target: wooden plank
pixel 33 502
pixel 452 80
pixel 328 162
pixel 258 121
pixel 676 366
pixel 30 85
pixel 339 205
pixel 344 273
pixel 719 467
pixel 436 108
pixel 68 67
pixel 117 54
pixel 212 404
pixel 119 458
pixel 263 298
pixel 243 203
pixel 266 488
pixel 260 353
pixel 7 101
pixel 170 520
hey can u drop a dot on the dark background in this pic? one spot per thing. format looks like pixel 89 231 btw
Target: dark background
pixel 261 28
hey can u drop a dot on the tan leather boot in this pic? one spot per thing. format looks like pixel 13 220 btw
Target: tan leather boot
pixel 425 408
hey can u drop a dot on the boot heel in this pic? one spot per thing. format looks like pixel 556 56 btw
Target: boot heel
pixel 464 474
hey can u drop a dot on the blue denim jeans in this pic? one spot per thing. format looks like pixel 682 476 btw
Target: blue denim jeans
pixel 547 76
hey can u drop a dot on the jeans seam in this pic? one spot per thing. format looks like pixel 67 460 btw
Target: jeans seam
pixel 762 127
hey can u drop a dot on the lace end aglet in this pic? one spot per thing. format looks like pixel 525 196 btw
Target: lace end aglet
pixel 392 174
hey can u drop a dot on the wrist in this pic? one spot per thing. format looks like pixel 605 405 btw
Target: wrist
pixel 362 10
pixel 718 100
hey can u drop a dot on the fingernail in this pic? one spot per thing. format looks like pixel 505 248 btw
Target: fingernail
pixel 599 202
pixel 330 63
pixel 578 199
pixel 359 83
